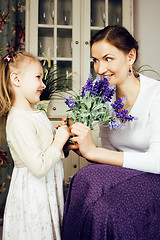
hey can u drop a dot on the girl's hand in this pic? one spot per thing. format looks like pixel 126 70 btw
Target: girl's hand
pixel 67 147
pixel 64 122
pixel 82 135
pixel 61 137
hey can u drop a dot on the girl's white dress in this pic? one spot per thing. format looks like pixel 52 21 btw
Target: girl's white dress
pixel 34 205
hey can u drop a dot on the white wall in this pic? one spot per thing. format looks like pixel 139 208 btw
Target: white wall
pixel 147 33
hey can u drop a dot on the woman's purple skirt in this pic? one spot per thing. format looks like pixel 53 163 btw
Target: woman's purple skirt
pixel 109 202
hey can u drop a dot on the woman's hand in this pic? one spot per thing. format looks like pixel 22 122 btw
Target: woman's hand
pixel 75 146
pixel 82 135
pixel 69 146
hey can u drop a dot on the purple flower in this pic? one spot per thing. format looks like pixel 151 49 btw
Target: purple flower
pixel 114 125
pixel 100 87
pixel 121 113
pixel 107 92
pixel 87 87
pixel 118 104
pixel 93 104
pixel 70 102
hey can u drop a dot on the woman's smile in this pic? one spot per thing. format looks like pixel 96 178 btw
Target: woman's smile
pixel 110 62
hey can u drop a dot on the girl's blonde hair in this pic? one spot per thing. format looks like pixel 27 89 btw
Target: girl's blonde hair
pixel 9 63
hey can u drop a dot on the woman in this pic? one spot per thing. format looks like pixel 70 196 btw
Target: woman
pixel 110 202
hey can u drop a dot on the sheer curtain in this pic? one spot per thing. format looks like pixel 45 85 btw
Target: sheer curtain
pixel 12 37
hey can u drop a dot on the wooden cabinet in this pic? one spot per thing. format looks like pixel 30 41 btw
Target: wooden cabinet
pixel 61 30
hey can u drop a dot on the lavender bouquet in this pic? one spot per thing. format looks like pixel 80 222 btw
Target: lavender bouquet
pixel 93 105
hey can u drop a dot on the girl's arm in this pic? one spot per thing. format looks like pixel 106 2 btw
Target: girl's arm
pixel 26 149
pixel 61 137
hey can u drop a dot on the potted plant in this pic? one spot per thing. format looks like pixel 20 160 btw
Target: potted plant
pixel 145 68
pixel 57 81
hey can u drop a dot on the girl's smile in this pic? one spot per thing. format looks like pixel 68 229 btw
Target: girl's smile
pixel 30 84
pixel 40 91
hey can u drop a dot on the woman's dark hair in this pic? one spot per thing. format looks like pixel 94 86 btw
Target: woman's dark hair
pixel 118 36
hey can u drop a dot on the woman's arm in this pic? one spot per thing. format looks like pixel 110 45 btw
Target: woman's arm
pixel 90 151
pixel 147 160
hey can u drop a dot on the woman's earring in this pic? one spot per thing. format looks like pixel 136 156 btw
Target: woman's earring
pixel 130 72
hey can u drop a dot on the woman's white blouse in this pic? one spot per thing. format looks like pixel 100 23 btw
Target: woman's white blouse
pixel 139 139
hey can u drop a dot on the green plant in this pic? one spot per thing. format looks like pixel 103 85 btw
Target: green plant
pixel 145 68
pixel 93 105
pixel 57 81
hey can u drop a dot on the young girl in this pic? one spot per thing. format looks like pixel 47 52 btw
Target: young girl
pixel 34 205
